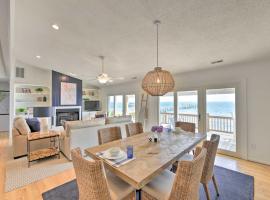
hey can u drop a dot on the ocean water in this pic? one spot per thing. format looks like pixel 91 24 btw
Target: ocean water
pixel 213 108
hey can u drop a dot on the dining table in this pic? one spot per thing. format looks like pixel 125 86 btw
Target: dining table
pixel 150 158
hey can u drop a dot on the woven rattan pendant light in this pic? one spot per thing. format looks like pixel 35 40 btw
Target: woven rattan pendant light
pixel 158 81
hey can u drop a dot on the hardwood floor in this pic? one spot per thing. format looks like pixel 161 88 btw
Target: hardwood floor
pixel 34 191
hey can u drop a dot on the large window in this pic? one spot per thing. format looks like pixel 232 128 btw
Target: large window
pixel 187 110
pixel 166 109
pixel 130 106
pixel 120 105
pixel 111 106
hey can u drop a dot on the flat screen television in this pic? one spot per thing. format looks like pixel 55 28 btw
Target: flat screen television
pixel 92 105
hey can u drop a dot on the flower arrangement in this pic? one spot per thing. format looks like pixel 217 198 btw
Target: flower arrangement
pixel 157 129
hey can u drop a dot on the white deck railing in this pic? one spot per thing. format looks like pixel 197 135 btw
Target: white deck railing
pixel 214 123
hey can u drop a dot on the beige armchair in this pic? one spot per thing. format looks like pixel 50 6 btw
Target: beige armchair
pixel 19 138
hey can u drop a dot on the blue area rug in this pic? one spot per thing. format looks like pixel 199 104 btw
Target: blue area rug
pixel 232 186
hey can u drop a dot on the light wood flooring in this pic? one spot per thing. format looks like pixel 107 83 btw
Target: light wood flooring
pixel 34 191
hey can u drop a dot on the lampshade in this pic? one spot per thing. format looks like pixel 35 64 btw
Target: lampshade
pixel 158 82
pixel 42 112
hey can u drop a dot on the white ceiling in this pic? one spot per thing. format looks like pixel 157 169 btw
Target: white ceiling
pixel 192 34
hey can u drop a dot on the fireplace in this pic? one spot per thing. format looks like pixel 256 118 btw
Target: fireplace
pixel 62 114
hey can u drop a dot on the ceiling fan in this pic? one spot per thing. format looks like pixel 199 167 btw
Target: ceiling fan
pixel 104 78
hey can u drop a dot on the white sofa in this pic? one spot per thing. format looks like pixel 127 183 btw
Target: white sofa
pixel 83 134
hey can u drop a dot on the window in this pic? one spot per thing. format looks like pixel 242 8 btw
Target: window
pixel 111 106
pixel 130 106
pixel 166 109
pixel 188 107
pixel 118 106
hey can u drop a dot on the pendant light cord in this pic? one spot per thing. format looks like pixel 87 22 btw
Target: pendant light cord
pixel 157 23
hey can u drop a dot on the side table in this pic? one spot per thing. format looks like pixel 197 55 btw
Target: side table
pixel 46 152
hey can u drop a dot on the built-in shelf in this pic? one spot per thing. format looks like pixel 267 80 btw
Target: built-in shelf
pixel 29 96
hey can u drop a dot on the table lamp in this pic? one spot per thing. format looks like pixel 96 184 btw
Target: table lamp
pixel 43 113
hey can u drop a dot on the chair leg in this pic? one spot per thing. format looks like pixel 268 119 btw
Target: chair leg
pixel 215 184
pixel 205 186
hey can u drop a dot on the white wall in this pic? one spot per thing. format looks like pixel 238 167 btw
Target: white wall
pixel 33 76
pixel 252 80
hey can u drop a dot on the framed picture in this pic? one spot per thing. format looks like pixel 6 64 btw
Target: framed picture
pixel 68 93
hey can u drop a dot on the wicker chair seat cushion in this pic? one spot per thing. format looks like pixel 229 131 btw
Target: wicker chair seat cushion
pixel 160 187
pixel 117 187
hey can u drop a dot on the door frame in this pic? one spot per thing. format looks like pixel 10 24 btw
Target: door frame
pixel 240 116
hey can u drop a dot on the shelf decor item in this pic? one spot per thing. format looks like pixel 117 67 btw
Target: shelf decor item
pixel 158 81
pixel 21 110
pixel 39 90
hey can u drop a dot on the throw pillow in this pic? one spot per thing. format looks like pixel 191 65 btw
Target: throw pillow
pixel 33 124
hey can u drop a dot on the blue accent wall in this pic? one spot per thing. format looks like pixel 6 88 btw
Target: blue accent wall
pixel 57 78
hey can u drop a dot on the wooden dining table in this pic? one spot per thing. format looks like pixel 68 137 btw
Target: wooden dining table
pixel 151 158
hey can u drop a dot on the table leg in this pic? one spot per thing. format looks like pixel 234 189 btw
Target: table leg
pixel 138 194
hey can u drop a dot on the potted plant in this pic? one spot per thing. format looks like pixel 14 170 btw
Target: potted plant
pixel 39 89
pixel 21 111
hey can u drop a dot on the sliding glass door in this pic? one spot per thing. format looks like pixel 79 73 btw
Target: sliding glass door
pixel 220 116
pixel 212 109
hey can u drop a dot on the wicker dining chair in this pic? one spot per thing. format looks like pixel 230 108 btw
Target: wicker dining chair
pixel 93 183
pixel 109 134
pixel 186 126
pixel 183 185
pixel 134 128
pixel 208 170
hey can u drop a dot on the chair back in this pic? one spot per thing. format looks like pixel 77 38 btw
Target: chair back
pixel 211 147
pixel 188 175
pixel 109 134
pixel 90 176
pixel 134 128
pixel 186 126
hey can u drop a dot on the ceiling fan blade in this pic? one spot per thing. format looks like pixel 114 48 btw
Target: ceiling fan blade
pixel 118 78
pixel 93 79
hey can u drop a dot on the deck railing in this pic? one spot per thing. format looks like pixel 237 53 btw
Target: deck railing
pixel 214 123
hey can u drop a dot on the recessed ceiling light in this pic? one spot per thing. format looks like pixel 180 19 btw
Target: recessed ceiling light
pixel 55 26
pixel 38 57
pixel 217 61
